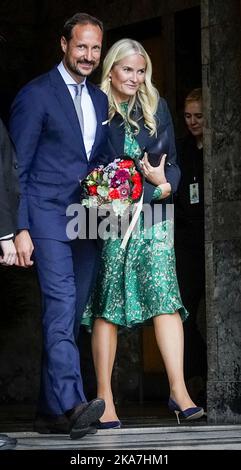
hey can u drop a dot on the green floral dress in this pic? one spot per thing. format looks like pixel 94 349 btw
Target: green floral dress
pixel 139 282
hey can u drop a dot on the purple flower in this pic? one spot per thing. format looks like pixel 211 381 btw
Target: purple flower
pixel 114 182
pixel 120 177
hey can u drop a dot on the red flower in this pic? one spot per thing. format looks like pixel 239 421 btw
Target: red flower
pixel 136 178
pixel 92 190
pixel 126 164
pixel 136 193
pixel 114 194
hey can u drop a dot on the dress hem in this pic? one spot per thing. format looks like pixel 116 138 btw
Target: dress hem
pixel 181 310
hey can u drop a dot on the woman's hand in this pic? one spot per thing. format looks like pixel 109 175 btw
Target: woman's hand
pixel 154 174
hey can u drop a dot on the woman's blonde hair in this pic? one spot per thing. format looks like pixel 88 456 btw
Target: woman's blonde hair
pixel 147 95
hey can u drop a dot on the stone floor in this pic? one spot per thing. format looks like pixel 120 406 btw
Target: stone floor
pixel 187 437
pixel 144 427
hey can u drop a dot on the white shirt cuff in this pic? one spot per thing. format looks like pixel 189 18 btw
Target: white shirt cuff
pixel 7 237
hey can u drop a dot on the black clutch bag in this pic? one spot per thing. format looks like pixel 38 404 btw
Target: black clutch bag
pixel 160 148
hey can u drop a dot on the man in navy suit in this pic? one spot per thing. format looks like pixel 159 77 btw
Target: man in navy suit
pixel 54 150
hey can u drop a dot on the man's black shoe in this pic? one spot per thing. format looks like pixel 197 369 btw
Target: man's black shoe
pixel 51 424
pixel 59 424
pixel 7 443
pixel 85 415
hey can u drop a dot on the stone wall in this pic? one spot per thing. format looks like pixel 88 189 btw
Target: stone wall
pixel 222 98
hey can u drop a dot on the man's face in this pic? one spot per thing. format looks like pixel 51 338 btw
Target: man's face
pixel 82 51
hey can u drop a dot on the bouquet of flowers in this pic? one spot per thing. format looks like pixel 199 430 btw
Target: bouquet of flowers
pixel 115 186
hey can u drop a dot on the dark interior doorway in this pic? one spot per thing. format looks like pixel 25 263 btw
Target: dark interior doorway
pixel 139 375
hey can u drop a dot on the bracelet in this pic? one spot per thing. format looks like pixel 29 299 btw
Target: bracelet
pixel 158 192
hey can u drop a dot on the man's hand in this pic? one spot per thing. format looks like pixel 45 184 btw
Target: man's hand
pixel 8 257
pixel 24 247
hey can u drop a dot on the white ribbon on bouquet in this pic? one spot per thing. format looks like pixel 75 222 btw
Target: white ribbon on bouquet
pixel 134 220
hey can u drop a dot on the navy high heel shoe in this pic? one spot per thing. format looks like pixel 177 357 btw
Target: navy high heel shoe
pixel 109 425
pixel 188 414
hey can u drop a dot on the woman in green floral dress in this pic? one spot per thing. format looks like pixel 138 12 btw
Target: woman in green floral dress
pixel 139 282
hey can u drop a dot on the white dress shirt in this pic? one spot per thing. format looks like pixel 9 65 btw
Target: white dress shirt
pixel 90 122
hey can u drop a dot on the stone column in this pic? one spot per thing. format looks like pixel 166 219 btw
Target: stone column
pixel 221 26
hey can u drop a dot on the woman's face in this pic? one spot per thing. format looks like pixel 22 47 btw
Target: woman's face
pixel 194 117
pixel 127 76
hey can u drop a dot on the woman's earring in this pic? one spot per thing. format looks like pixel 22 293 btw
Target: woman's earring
pixel 109 79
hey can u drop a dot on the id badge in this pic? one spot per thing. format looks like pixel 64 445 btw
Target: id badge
pixel 194 193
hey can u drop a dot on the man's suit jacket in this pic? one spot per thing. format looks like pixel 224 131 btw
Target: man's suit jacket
pixel 149 143
pixel 51 153
pixel 9 194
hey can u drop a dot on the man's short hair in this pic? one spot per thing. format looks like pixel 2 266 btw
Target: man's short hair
pixel 81 19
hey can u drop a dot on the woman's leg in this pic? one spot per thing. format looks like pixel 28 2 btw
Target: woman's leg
pixel 169 336
pixel 104 343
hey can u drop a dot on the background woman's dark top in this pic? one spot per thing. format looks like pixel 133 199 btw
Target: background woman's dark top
pixel 190 259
